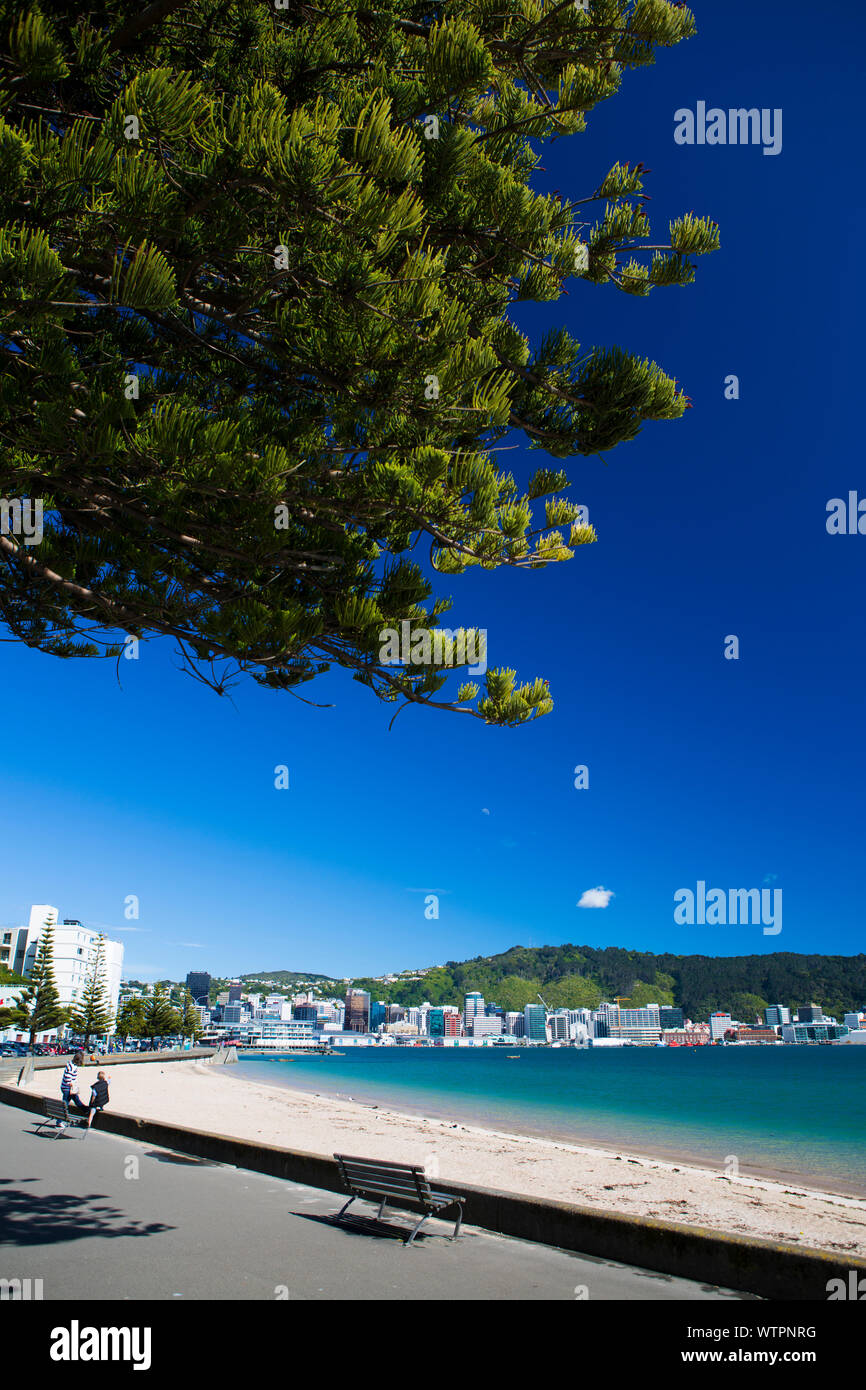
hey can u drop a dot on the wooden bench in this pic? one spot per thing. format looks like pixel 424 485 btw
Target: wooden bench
pixel 57 1112
pixel 397 1184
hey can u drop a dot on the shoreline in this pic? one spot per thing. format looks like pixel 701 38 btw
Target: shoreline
pixel 218 1100
pixel 665 1160
pixel 653 1154
pixel 676 1161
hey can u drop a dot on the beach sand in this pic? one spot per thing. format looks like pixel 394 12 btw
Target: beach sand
pixel 215 1099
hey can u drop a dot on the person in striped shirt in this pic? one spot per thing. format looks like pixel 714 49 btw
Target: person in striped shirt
pixel 69 1081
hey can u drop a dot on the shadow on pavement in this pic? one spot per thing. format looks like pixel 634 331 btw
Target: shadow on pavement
pixel 47 1219
pixel 370 1226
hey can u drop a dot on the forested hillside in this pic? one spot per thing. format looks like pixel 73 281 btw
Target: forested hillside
pixel 573 976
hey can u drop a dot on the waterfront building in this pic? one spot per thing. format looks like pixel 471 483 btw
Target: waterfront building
pixel 278 1032
pixel 670 1017
pixel 756 1035
pixel 720 1023
pixel 514 1023
pixel 776 1015
pixel 853 1021
pixel 824 1031
pixel 810 1013
pixel 535 1023
pixel 473 1003
pixel 558 1029
pixel 632 1025
pixel 357 1017
pixel 443 1022
pixel 685 1037
pixel 487 1026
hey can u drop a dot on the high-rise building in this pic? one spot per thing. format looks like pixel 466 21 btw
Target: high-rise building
pixel 357 1019
pixel 810 1013
pixel 473 1003
pixel 198 984
pixel 75 948
pixel 670 1017
pixel 487 1026
pixel 776 1015
pixel 558 1026
pixel 442 1023
pixel 719 1025
pixel 634 1025
pixel 535 1023
pixel 378 1015
pixel 514 1023
pixel 234 992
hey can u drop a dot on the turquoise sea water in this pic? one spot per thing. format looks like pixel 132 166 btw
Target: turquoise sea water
pixel 793 1112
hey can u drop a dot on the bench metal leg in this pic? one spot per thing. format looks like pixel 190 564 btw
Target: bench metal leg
pixel 459 1219
pixel 382 1208
pixel 408 1242
pixel 342 1212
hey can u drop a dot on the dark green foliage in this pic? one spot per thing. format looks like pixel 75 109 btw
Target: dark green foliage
pixel 577 976
pixel 92 1013
pixel 159 1019
pixel 131 1019
pixel 38 1008
pixel 254 324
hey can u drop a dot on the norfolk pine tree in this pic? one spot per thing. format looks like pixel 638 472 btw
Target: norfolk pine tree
pixel 158 1016
pixel 190 1023
pixel 92 1013
pixel 38 1008
pixel 130 1019
pixel 256 267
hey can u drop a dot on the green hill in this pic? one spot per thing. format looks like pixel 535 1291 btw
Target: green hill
pixel 582 976
pixel 278 978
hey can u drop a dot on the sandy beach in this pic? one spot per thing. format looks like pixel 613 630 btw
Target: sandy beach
pixel 215 1099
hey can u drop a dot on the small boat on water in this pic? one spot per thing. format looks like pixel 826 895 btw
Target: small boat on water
pixel 512 1057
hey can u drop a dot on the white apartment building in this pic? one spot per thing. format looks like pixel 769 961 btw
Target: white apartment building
pixel 74 951
pixel 642 1025
pixel 719 1025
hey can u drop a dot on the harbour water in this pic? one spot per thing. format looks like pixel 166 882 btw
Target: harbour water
pixel 792 1113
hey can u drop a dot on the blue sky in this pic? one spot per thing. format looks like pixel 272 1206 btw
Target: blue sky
pixel 741 773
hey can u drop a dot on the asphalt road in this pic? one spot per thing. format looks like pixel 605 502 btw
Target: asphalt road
pixel 108 1218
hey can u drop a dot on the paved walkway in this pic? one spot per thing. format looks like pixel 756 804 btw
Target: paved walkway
pixel 106 1217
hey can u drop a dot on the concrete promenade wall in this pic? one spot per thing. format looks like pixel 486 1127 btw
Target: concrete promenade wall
pixel 113 1059
pixel 761 1267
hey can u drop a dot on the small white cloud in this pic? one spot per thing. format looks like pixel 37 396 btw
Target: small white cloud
pixel 190 945
pixel 484 811
pixel 595 897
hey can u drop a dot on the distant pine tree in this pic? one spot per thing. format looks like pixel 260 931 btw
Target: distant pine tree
pixel 38 1009
pixel 190 1017
pixel 92 1014
pixel 159 1018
